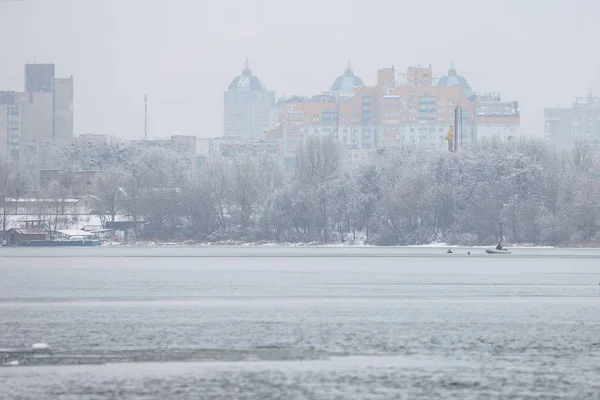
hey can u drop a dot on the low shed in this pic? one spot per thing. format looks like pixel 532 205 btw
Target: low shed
pixel 16 236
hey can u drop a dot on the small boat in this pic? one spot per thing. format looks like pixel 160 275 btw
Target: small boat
pixel 496 251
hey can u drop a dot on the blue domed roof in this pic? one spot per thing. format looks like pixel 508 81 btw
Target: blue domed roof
pixel 348 81
pixel 453 79
pixel 246 81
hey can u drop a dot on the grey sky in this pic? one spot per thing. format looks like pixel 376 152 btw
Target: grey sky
pixel 184 53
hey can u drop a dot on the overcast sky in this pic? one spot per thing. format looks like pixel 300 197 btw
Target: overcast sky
pixel 184 53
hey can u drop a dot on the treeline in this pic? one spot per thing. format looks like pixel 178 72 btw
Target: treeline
pixel 525 192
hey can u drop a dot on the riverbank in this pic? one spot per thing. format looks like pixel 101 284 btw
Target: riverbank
pixel 233 243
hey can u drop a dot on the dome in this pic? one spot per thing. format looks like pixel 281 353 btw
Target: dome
pixel 246 81
pixel 347 82
pixel 453 79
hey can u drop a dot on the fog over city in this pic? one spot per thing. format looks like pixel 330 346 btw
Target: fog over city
pixel 326 200
pixel 184 53
pixel 400 123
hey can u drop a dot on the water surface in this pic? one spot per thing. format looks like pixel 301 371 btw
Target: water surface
pixel 300 323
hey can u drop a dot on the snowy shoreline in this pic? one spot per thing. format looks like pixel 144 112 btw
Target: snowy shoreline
pixel 338 245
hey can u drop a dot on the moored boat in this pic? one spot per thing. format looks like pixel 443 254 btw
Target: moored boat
pixel 67 238
pixel 61 243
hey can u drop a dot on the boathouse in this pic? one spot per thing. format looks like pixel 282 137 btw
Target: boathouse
pixel 32 230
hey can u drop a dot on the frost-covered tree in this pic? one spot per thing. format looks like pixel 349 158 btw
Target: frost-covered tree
pixel 215 177
pixel 246 187
pixel 317 169
pixel 109 194
pixel 522 192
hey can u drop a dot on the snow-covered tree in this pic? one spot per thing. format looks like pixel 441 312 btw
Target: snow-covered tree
pixel 109 194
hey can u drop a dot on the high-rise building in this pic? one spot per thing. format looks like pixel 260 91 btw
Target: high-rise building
pixel 10 125
pixel 347 111
pixel 247 107
pixel 46 106
pixel 316 116
pixel 580 123
pixel 420 112
pixel 37 105
pixel 337 112
pixel 63 108
pixel 37 116
pixel 39 78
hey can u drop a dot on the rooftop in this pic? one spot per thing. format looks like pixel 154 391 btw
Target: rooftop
pixel 246 81
pixel 453 79
pixel 29 231
pixel 347 81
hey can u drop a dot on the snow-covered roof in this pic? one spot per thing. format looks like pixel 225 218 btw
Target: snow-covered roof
pixel 28 231
pixel 74 232
pixel 43 200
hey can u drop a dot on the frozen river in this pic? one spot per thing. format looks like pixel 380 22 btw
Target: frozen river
pixel 299 323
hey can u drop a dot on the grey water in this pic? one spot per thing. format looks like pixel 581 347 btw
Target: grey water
pixel 299 323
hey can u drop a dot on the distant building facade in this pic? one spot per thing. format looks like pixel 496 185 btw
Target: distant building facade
pixel 580 123
pixel 230 149
pixel 496 119
pixel 63 108
pixel 183 145
pixel 417 113
pixel 248 107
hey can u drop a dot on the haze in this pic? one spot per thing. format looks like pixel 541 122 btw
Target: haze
pixel 184 53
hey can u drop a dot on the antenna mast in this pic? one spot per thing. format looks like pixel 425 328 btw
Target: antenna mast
pixel 145 117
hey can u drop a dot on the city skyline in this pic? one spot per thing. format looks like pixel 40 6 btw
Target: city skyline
pixel 117 55
pixel 281 200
